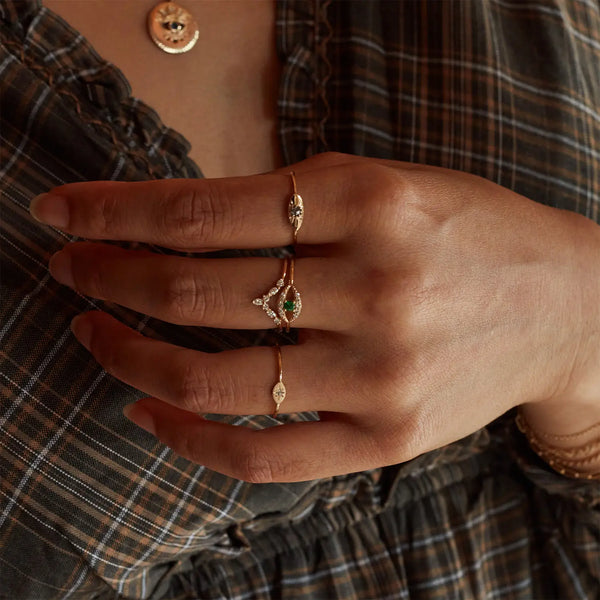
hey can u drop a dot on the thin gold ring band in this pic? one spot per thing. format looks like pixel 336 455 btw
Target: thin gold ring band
pixel 288 299
pixel 279 391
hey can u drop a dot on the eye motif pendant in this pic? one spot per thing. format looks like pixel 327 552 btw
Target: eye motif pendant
pixel 172 28
pixel 289 302
pixel 289 305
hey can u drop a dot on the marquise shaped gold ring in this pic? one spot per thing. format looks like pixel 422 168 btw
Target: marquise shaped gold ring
pixel 295 209
pixel 279 392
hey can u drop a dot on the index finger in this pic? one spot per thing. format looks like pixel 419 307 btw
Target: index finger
pixel 195 214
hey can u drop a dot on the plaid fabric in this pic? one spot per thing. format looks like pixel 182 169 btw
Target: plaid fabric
pixel 91 507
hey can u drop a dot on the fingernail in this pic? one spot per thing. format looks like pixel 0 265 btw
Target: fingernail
pixel 82 330
pixel 140 417
pixel 50 209
pixel 60 268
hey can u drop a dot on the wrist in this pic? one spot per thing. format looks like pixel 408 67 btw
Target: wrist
pixel 576 397
pixel 564 427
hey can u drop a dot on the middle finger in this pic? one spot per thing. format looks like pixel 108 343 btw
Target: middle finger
pixel 207 292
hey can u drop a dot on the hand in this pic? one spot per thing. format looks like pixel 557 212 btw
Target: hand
pixel 433 301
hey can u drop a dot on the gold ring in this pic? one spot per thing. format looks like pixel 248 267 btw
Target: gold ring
pixel 289 304
pixel 289 301
pixel 295 209
pixel 279 390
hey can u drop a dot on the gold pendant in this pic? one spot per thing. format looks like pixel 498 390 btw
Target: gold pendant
pixel 172 28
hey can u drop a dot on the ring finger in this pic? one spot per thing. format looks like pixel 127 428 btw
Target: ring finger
pixel 235 382
pixel 208 292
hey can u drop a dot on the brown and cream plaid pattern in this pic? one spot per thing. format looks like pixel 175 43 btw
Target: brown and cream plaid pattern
pixel 92 508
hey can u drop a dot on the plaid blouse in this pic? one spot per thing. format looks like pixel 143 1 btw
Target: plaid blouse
pixel 92 507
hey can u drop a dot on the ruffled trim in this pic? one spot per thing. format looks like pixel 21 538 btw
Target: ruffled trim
pixel 18 14
pixel 303 32
pixel 98 91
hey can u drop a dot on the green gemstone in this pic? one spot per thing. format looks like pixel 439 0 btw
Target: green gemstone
pixel 289 305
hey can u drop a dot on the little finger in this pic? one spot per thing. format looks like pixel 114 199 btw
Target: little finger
pixel 287 453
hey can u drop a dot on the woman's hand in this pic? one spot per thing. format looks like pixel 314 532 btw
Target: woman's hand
pixel 433 301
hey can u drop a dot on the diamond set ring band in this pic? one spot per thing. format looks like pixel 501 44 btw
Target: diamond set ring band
pixel 288 302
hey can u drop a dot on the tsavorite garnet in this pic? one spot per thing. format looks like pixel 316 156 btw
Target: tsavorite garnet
pixel 289 305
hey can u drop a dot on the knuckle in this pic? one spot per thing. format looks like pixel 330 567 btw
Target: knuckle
pixel 195 214
pixel 406 441
pixel 256 464
pixel 374 447
pixel 259 462
pixel 200 391
pixel 409 301
pixel 107 218
pixel 190 297
pixel 405 395
pixel 330 158
pixel 380 200
pixel 383 302
pixel 191 388
pixel 182 299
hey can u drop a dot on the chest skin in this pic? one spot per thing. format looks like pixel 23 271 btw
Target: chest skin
pixel 221 95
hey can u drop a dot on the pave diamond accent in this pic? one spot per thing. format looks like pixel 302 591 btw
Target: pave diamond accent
pixel 264 301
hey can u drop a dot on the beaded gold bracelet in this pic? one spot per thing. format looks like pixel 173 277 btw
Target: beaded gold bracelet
pixel 566 461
